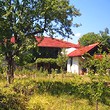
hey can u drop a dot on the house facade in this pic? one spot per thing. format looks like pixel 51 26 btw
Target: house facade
pixel 74 52
pixel 73 65
pixel 76 56
pixel 51 47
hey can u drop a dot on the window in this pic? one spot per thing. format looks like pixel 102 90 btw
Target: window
pixel 71 61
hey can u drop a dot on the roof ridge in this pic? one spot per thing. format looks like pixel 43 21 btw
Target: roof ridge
pixel 82 50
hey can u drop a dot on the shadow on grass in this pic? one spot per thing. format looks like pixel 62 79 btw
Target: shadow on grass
pixel 85 91
pixel 10 101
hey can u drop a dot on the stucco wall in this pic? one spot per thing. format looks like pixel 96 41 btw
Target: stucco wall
pixel 73 65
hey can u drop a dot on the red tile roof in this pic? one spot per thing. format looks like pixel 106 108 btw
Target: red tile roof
pixel 12 40
pixel 98 56
pixel 53 42
pixel 81 51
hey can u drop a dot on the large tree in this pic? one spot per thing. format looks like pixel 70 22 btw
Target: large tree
pixel 102 37
pixel 25 18
pixel 89 38
pixel 105 38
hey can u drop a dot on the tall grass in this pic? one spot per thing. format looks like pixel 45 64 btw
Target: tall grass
pixel 40 91
pixel 64 102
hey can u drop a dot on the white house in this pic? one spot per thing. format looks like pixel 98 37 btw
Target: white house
pixel 73 63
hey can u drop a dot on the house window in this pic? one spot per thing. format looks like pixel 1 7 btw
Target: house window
pixel 71 61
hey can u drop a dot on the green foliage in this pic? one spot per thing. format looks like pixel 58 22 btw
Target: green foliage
pixel 25 87
pixel 97 65
pixel 24 19
pixel 36 103
pixel 64 102
pixel 97 70
pixel 27 18
pixel 105 38
pixel 62 59
pixel 46 60
pixel 45 93
pixel 11 101
pixel 97 91
pixel 50 86
pixel 28 72
pixel 90 91
pixel 89 38
pixel 24 59
pixel 3 65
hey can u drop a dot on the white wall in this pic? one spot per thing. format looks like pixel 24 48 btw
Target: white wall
pixel 69 50
pixel 73 65
pixel 69 65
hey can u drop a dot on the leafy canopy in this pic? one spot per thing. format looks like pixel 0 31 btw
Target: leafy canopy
pixel 25 18
pixel 62 59
pixel 89 38
pixel 30 17
pixel 103 37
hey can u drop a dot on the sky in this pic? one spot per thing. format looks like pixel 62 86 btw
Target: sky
pixel 95 17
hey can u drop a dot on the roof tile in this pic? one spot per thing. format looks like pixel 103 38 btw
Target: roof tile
pixel 53 42
pixel 81 51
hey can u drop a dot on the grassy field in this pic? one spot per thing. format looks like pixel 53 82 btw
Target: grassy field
pixel 52 92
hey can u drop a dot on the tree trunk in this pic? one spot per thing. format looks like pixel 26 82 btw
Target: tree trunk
pixel 10 71
pixel 10 76
pixel 97 105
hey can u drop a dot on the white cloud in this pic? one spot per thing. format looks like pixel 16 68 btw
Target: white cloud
pixel 78 35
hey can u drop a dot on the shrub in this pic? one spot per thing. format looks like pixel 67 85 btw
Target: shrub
pixel 36 103
pixel 12 101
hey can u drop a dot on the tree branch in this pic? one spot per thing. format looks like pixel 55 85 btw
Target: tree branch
pixel 39 31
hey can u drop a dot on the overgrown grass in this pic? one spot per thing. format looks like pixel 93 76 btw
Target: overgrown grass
pixel 48 92
pixel 63 102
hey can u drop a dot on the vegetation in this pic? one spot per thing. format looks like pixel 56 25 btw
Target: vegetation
pixel 35 89
pixel 23 19
pixel 103 37
pixel 89 38
pixel 62 59
pixel 46 60
pixel 44 92
pixel 97 69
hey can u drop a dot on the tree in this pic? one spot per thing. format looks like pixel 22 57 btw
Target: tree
pixel 25 18
pixel 62 59
pixel 89 38
pixel 105 38
pixel 102 37
pixel 97 71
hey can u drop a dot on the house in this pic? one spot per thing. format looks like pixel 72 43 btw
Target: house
pixel 73 63
pixel 50 48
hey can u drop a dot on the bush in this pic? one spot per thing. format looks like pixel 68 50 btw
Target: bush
pixel 36 103
pixel 25 87
pixel 12 101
